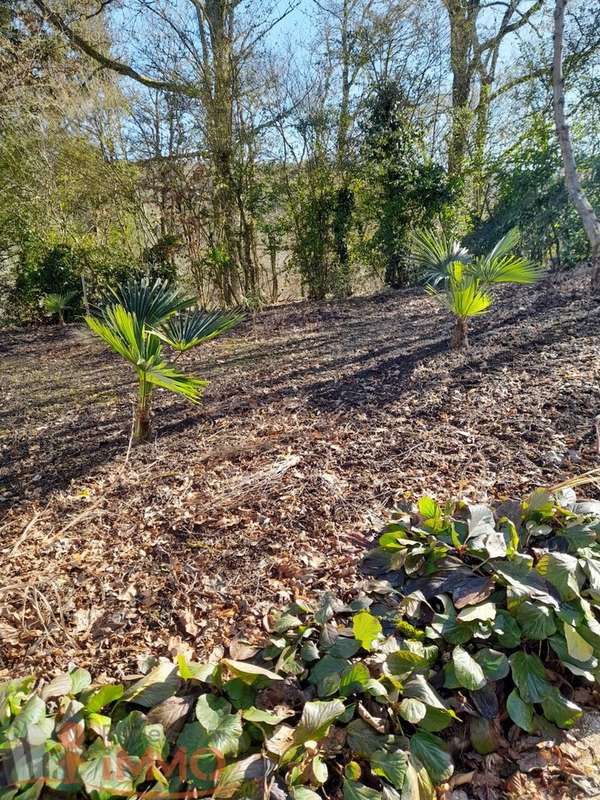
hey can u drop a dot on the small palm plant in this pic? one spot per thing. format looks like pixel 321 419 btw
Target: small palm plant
pixel 463 282
pixel 57 303
pixel 137 319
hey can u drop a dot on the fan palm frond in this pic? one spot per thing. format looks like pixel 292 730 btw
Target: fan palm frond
pixel 433 253
pixel 506 268
pixel 57 302
pixel 167 377
pixel 505 245
pixel 121 331
pixel 188 330
pixel 468 299
pixel 151 303
pixel 464 296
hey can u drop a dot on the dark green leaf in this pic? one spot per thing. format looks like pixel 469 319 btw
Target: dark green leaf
pixel 431 751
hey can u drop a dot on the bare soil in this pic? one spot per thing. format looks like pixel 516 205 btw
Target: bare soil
pixel 319 419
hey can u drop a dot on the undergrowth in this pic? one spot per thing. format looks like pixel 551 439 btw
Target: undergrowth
pixel 471 624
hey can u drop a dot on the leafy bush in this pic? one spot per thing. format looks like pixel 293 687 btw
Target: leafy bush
pixel 135 321
pixel 472 623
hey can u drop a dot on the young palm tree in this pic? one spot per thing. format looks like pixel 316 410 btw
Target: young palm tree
pixel 135 322
pixel 57 303
pixel 465 281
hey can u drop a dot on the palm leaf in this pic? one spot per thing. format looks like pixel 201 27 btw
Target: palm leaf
pixel 55 302
pixel 168 377
pixel 467 299
pixel 506 269
pixel 433 253
pixel 122 331
pixel 189 330
pixel 151 303
pixel 463 294
pixel 505 245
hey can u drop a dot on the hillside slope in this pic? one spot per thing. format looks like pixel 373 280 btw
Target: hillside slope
pixel 319 419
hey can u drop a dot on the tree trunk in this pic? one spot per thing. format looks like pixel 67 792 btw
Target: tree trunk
pixel 344 201
pixel 463 19
pixel 460 334
pixel 141 423
pixel 578 198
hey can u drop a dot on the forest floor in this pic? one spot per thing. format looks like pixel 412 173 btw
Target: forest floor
pixel 319 419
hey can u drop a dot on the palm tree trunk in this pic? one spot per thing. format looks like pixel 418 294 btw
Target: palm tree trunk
pixel 141 422
pixel 460 334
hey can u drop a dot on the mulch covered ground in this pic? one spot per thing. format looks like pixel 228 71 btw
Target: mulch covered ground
pixel 319 419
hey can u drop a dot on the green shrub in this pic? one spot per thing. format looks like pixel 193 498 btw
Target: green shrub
pixel 473 622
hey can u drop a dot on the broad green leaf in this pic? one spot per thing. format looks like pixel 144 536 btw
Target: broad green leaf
pixel 520 712
pixel 285 622
pixel 319 769
pixel 449 628
pixel 100 724
pixel 160 683
pixel 468 672
pixel 138 738
pixel 524 581
pixel 251 770
pixel 437 719
pixel 402 662
pixel 529 676
pixel 303 793
pixel 95 700
pixel 559 710
pixel 358 791
pixel 109 771
pixel 484 612
pixel 250 673
pixel 225 738
pixel 253 714
pixel 536 621
pixel 192 670
pixel 494 664
pixel 241 694
pixel 577 646
pixel 211 711
pixel 562 571
pixel 506 630
pixel 80 680
pixel 316 719
pixel 418 689
pixel 431 751
pixel 417 784
pixel 31 723
pixel 326 609
pixel 391 766
pixel 412 710
pixel 363 741
pixel 354 680
pixel 310 651
pixel 344 647
pixel 582 668
pixel 366 628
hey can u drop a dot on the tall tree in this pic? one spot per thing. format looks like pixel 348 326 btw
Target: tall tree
pixel 475 62
pixel 589 219
pixel 219 39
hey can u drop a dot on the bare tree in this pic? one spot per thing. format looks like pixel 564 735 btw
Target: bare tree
pixel 219 40
pixel 573 183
